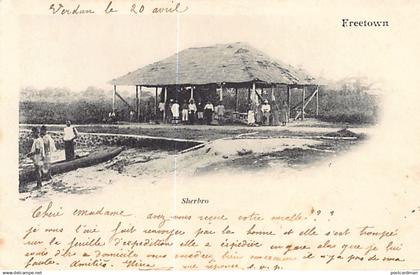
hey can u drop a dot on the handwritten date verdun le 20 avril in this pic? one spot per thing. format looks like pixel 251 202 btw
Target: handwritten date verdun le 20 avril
pixel 111 8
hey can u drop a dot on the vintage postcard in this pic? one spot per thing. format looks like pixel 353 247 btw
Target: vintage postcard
pixel 209 135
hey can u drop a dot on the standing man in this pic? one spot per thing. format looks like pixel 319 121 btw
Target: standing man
pixel 175 112
pixel 49 147
pixel 208 112
pixel 192 109
pixel 200 111
pixel 131 115
pixel 266 109
pixel 162 111
pixel 169 115
pixel 185 112
pixel 70 134
pixel 37 155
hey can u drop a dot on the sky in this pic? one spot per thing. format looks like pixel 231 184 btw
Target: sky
pixel 81 51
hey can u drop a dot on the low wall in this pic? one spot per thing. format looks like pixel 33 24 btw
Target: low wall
pixel 95 139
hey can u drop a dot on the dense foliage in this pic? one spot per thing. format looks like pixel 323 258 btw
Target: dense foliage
pixel 348 102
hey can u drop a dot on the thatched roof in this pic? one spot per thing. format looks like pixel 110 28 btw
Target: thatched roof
pixel 229 63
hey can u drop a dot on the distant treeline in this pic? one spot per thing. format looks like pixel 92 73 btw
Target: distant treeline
pixel 344 102
pixel 56 105
pixel 350 100
pixel 355 107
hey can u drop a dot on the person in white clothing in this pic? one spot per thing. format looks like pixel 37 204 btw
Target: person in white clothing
pixel 192 109
pixel 175 112
pixel 266 109
pixel 70 134
pixel 208 112
pixel 162 111
pixel 251 115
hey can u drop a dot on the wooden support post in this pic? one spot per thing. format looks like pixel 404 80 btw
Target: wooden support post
pixel 288 102
pixel 113 98
pixel 303 102
pixel 271 93
pixel 165 97
pixel 156 102
pixel 236 99
pixel 221 92
pixel 317 101
pixel 137 103
pixel 138 113
pixel 192 93
pixel 254 89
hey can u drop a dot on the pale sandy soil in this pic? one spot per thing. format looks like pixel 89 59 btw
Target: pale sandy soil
pixel 236 150
pixel 240 154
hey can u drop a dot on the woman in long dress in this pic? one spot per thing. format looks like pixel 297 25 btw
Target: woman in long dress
pixel 258 114
pixel 276 118
pixel 251 116
pixel 284 113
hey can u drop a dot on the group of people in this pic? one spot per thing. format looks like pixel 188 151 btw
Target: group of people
pixel 42 147
pixel 190 112
pixel 264 114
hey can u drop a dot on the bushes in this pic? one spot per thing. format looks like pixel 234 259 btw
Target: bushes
pixel 56 105
pixel 348 106
pixel 79 111
pixel 50 113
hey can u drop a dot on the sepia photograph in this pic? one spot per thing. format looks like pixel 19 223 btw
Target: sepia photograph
pixel 209 135
pixel 225 107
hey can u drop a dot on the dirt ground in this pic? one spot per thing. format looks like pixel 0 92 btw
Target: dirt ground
pixel 229 149
pixel 300 128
